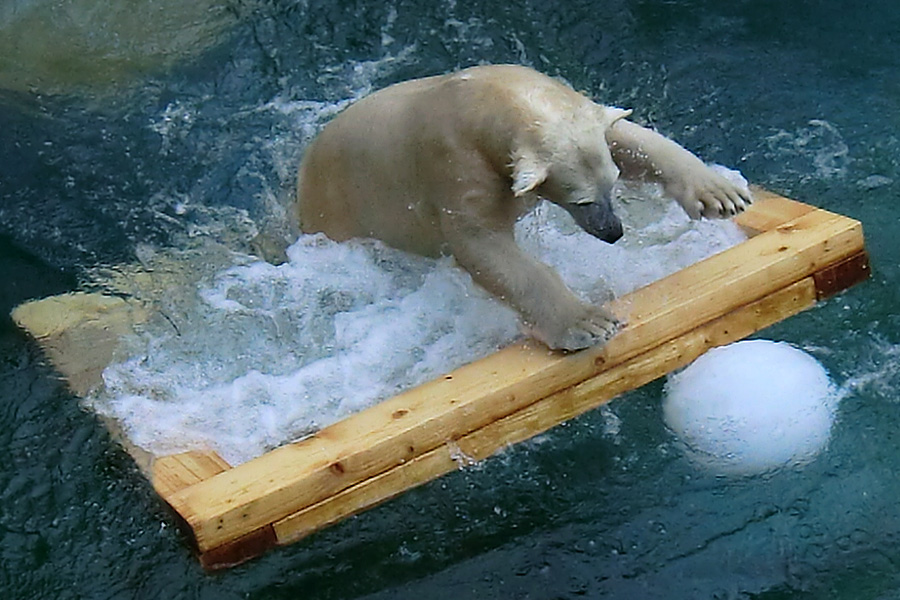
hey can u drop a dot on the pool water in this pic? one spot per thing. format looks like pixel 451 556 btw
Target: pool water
pixel 124 152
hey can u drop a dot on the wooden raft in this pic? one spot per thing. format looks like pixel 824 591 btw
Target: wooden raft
pixel 797 255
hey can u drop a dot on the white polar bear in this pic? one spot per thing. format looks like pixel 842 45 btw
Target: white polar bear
pixel 448 164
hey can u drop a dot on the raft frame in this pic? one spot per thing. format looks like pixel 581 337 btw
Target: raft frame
pixel 796 256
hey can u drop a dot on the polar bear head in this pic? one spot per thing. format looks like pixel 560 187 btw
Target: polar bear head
pixel 568 162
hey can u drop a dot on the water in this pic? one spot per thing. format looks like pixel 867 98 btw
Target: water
pixel 249 355
pixel 196 153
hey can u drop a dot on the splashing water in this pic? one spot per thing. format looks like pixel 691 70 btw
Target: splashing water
pixel 253 355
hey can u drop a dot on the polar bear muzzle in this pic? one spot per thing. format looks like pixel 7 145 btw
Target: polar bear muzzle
pixel 598 219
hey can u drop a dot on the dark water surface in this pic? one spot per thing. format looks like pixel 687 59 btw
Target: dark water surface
pixel 803 97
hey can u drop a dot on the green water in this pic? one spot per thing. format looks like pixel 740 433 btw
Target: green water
pixel 803 97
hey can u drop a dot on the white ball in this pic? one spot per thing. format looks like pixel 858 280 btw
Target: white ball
pixel 751 407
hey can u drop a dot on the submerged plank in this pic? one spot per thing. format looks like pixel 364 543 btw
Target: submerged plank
pixel 80 332
pixel 406 428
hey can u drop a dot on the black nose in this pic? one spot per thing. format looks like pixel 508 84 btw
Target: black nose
pixel 612 234
pixel 598 219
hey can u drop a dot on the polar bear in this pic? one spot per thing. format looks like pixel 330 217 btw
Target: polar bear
pixel 448 164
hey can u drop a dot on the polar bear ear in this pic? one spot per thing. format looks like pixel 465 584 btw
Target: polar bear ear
pixel 528 173
pixel 611 114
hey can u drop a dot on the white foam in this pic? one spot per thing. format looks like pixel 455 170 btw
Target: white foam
pixel 659 240
pixel 751 407
pixel 256 355
pixel 816 151
pixel 264 354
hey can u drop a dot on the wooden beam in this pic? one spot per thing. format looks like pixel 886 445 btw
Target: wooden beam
pixel 548 412
pixel 770 210
pixel 176 472
pixel 80 332
pixel 416 436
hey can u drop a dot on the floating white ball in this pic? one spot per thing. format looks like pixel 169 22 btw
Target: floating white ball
pixel 751 407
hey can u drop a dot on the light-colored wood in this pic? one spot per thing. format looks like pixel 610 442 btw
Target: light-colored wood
pixel 770 210
pixel 176 472
pixel 549 412
pixel 403 429
pixel 80 332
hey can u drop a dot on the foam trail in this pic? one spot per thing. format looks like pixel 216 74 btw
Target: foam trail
pixel 878 373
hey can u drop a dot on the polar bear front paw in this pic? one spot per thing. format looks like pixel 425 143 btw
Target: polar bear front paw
pixel 591 327
pixel 705 193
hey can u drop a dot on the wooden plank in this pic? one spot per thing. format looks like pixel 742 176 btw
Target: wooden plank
pixel 179 471
pixel 176 472
pixel 240 550
pixel 551 411
pixel 240 501
pixel 842 275
pixel 769 211
pixel 80 332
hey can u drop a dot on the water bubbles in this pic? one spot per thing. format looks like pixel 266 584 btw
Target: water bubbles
pixel 817 151
pixel 874 182
pixel 659 240
pixel 267 353
pixel 173 124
